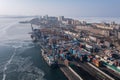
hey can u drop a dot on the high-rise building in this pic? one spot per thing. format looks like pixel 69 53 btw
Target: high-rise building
pixel 45 17
pixel 60 18
pixel 40 17
pixel 118 35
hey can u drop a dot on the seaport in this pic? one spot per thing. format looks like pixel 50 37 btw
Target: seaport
pixel 59 40
pixel 66 47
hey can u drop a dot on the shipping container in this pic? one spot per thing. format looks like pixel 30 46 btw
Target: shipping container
pixel 92 38
pixel 95 61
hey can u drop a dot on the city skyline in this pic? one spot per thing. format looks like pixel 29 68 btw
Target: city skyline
pixel 68 8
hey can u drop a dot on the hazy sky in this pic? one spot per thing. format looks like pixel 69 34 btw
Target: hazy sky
pixel 69 8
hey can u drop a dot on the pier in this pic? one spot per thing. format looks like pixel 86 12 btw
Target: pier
pixel 69 72
pixel 89 72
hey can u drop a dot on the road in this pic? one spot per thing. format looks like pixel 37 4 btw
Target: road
pixel 90 72
pixel 110 73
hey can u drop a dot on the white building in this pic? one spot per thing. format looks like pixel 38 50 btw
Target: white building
pixel 45 17
pixel 72 33
pixel 60 18
pixel 93 38
pixel 106 33
pixel 118 35
pixel 103 26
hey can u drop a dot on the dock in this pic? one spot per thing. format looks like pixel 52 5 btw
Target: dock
pixel 94 71
pixel 62 47
pixel 68 72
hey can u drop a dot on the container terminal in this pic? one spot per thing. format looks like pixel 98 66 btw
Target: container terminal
pixel 80 53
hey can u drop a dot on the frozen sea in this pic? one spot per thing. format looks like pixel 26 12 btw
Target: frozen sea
pixel 19 57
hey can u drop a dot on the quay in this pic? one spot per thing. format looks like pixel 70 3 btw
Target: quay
pixel 54 52
pixel 68 72
pixel 63 46
pixel 92 71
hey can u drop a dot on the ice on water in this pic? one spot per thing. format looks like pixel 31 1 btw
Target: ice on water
pixel 16 65
pixel 21 65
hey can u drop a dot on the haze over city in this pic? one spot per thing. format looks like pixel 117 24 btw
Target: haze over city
pixel 68 8
pixel 59 40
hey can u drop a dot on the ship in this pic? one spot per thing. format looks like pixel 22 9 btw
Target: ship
pixel 50 58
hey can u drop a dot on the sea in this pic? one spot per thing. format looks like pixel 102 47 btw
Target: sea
pixel 99 19
pixel 20 58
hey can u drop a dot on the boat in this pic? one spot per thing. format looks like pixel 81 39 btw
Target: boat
pixel 34 38
pixel 49 59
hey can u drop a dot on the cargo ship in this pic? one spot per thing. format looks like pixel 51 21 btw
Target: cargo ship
pixel 50 57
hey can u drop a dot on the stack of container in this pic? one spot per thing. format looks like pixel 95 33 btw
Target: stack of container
pixel 95 61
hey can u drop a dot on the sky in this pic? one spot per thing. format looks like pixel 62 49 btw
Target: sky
pixel 68 8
